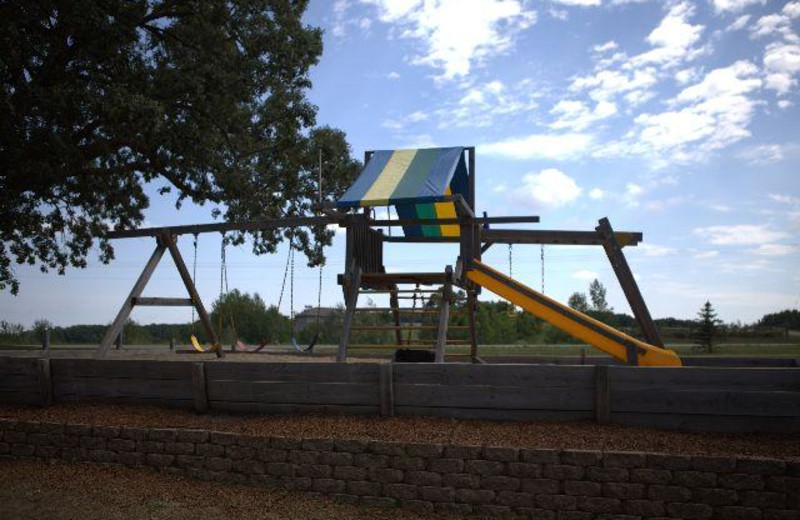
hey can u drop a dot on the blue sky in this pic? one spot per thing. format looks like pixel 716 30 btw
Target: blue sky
pixel 679 119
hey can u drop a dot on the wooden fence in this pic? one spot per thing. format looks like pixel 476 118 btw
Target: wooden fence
pixel 690 398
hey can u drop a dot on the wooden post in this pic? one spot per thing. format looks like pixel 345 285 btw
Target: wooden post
pixel 444 314
pixel 169 242
pixel 583 355
pixel 199 388
pixel 120 339
pixel 353 284
pixel 394 303
pixel 472 308
pixel 122 316
pixel 628 283
pixel 386 385
pixel 46 341
pixel 602 395
pixel 45 381
pixel 171 344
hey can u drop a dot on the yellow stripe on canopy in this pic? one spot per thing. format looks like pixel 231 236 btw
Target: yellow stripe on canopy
pixel 381 191
pixel 447 210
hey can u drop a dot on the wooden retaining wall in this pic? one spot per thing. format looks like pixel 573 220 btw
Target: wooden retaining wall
pixel 690 398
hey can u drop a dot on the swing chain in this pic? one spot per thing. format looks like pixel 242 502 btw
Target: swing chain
pixel 511 260
pixel 194 276
pixel 542 256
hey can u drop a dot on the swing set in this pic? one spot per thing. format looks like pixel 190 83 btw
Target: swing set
pixel 224 304
pixel 433 193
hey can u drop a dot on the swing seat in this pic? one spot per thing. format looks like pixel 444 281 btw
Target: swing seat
pixel 240 345
pixel 307 350
pixel 198 347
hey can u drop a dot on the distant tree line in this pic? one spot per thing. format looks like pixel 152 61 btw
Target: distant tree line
pixel 248 318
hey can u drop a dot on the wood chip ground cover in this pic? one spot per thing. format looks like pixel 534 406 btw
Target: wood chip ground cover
pixel 551 435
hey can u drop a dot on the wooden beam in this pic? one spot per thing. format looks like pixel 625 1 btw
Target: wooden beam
pixel 444 316
pixel 352 288
pixel 581 238
pixel 45 381
pixel 221 227
pixel 162 302
pixel 193 294
pixel 386 385
pixel 119 322
pixel 628 283
pixel 199 387
pixel 602 395
pixel 472 305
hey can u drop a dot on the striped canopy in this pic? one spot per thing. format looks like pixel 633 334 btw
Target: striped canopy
pixel 414 181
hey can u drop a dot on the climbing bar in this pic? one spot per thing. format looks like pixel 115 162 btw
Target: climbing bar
pixel 162 302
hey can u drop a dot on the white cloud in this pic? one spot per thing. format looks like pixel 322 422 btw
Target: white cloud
pixel 585 274
pixel 393 75
pixel 410 119
pixel 782 64
pixel 711 114
pixel 742 234
pixel 597 194
pixel 735 6
pixel 575 115
pixel 607 84
pixel 456 34
pixel 540 146
pixel 673 39
pixel 482 104
pixel 549 188
pixel 740 23
pixel 605 47
pixel 582 3
pixel 774 249
pixel 763 154
pixel 785 199
pixel 654 250
pixel 558 14
pixel 707 254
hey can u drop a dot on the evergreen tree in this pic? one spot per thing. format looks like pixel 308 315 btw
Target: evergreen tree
pixel 707 321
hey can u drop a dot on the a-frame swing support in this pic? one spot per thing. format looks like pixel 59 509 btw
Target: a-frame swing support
pixel 164 242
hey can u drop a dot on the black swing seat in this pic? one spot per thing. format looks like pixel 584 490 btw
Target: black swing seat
pixel 305 350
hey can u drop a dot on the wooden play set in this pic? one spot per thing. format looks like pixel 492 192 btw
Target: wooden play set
pixel 433 194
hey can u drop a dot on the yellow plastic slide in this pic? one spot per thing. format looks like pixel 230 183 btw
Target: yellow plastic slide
pixel 574 323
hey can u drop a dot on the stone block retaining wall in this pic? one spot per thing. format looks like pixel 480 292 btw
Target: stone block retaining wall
pixel 493 481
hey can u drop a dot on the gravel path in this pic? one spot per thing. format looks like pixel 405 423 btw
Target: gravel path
pixel 554 435
pixel 33 490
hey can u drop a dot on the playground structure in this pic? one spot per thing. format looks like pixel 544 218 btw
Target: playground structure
pixel 433 193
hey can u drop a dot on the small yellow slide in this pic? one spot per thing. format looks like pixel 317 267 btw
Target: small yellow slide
pixel 574 323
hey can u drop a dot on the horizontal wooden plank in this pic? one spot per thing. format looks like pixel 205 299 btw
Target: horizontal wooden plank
pixel 19 383
pixel 229 370
pixel 711 378
pixel 708 423
pixel 149 401
pixel 525 376
pixel 775 362
pixel 491 414
pixel 722 402
pixel 17 365
pixel 283 408
pixel 121 369
pixel 24 398
pixel 112 387
pixel 499 397
pixel 278 392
